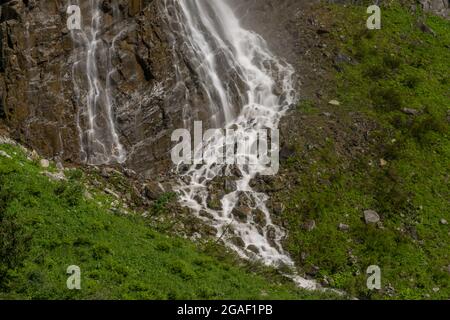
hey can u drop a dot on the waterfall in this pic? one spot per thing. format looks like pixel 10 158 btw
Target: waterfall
pixel 92 73
pixel 248 88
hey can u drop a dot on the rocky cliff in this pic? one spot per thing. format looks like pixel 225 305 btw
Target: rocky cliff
pixel 44 87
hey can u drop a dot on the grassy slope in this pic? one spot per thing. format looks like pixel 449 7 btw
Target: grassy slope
pixel 396 67
pixel 47 226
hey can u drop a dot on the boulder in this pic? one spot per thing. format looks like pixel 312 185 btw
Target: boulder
pixel 371 217
pixel 44 163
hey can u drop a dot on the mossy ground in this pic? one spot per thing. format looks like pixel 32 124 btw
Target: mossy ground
pixel 371 154
pixel 47 226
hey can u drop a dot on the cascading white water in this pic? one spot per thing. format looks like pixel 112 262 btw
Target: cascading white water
pixel 225 54
pixel 98 136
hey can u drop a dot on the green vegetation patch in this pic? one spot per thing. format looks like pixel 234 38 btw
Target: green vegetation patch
pixel 398 81
pixel 47 226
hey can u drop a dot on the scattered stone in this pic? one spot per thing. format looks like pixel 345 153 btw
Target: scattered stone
pixel 112 193
pixel 88 195
pixel 410 112
pixel 309 225
pixel 59 165
pixel 444 222
pixel 334 103
pixel 436 290
pixel 344 227
pixel 115 204
pixel 55 176
pixel 371 217
pixel 34 155
pixel 383 163
pixel 4 154
pixel 44 163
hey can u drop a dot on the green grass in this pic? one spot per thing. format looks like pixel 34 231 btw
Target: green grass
pixel 395 68
pixel 47 226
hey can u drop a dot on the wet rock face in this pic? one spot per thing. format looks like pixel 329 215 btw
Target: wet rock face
pixel 42 93
pixel 43 96
pixel 35 77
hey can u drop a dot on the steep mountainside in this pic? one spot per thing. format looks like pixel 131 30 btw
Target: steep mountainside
pixel 364 149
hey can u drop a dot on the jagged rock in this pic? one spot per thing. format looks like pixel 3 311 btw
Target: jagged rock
pixel 246 199
pixel 371 217
pixel 259 218
pixel 153 191
pixel 129 173
pixel 242 213
pixel 444 222
pixel 344 227
pixel 253 249
pixel 206 214
pixel 37 77
pixel 238 242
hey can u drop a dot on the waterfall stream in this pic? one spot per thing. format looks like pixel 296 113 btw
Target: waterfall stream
pixel 230 61
pixel 92 73
pixel 247 89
